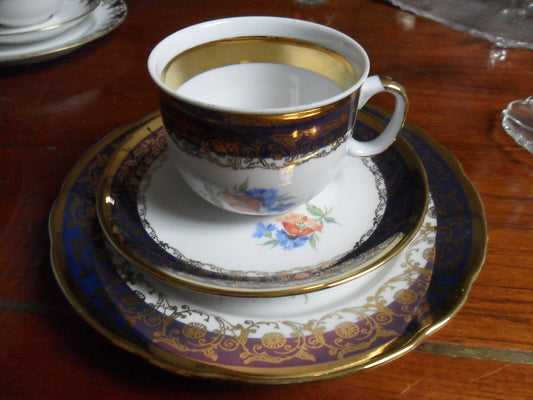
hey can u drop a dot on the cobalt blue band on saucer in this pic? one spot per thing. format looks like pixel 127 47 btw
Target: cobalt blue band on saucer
pixel 179 342
pixel 403 201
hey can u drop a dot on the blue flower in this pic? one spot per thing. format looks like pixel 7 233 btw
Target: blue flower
pixel 289 242
pixel 267 197
pixel 262 229
pixel 280 207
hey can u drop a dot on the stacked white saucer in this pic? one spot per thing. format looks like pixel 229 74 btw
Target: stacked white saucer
pixel 65 27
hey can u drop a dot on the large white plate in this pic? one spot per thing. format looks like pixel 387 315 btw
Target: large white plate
pixel 343 329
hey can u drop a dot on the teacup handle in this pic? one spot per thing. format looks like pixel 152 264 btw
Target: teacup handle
pixel 373 85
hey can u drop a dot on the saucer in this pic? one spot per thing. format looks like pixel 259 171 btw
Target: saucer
pixel 368 213
pixel 108 15
pixel 353 327
pixel 70 12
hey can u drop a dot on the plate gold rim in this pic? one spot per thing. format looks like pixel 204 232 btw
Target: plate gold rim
pixel 400 346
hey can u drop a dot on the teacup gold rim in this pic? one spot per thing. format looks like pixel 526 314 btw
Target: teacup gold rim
pixel 155 60
pixel 259 49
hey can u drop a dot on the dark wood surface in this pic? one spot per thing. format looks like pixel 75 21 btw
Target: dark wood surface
pixel 52 112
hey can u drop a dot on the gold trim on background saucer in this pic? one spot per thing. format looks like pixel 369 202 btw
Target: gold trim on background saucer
pixel 117 11
pixel 90 6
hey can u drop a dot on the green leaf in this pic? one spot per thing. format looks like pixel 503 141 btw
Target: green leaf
pixel 314 210
pixel 243 186
pixel 331 220
pixel 284 197
pixel 271 243
pixel 312 241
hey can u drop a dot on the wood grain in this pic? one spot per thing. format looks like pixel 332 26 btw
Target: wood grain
pixel 52 112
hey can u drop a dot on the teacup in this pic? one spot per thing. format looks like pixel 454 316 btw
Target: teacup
pixel 259 111
pixel 20 13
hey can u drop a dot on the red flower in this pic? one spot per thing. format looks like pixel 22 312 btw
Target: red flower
pixel 241 202
pixel 299 225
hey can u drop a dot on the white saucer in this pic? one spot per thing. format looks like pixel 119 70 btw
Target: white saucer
pixel 411 268
pixel 366 216
pixel 106 17
pixel 70 12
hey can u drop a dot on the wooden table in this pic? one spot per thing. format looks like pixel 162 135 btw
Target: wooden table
pixel 52 112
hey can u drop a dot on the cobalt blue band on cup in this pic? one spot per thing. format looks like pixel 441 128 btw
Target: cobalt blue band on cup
pixel 245 141
pixel 259 111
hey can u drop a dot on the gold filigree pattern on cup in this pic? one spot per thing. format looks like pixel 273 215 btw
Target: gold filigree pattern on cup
pixel 243 141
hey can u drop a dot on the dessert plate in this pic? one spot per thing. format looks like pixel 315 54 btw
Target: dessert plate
pixel 70 12
pixel 370 211
pixel 108 15
pixel 347 328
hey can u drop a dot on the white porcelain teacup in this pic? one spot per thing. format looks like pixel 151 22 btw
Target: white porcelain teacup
pixel 20 13
pixel 259 111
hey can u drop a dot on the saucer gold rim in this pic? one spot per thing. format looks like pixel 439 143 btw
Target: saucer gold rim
pixel 191 282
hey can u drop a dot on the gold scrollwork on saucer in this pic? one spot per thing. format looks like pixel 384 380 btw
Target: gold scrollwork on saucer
pixel 357 328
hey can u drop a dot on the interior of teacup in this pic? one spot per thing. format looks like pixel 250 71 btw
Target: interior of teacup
pixel 259 64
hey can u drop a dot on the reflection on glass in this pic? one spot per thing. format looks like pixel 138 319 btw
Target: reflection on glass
pixel 518 122
pixel 507 23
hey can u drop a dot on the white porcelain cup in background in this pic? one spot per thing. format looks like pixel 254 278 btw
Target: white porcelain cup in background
pixel 19 13
pixel 259 111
